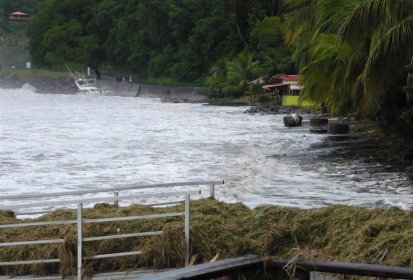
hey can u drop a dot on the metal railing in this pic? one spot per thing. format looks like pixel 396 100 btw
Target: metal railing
pixel 256 267
pixel 80 221
pixel 115 190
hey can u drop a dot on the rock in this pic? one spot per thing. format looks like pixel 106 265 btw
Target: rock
pixel 252 110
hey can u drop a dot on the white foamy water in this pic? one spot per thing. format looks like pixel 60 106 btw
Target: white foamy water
pixel 51 143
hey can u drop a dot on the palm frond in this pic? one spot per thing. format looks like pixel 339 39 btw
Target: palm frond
pixel 299 22
pixel 369 15
pixel 389 50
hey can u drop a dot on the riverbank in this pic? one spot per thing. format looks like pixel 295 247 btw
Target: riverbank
pixel 60 82
pixel 341 233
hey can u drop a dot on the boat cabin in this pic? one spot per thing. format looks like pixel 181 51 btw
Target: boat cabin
pixel 18 16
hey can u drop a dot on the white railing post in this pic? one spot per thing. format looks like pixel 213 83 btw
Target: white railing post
pixel 187 199
pixel 116 202
pixel 79 240
pixel 212 191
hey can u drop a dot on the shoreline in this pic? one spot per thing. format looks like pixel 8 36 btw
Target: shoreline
pixel 373 145
pixel 64 84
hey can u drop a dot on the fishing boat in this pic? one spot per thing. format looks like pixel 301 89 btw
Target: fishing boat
pixel 86 85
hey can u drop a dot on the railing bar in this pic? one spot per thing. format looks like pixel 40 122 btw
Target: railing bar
pixel 29 262
pixel 79 214
pixel 187 228
pixel 118 188
pixel 51 241
pixel 101 199
pixel 90 221
pixel 115 255
pixel 69 209
pixel 119 236
pixel 38 224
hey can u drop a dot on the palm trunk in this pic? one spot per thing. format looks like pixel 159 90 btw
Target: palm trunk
pixel 409 82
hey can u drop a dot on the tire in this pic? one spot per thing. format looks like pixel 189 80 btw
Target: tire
pixel 319 122
pixel 338 128
pixel 292 120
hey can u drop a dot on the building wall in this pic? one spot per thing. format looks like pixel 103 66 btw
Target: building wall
pixel 293 100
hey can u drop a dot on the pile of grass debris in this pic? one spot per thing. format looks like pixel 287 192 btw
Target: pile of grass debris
pixel 342 233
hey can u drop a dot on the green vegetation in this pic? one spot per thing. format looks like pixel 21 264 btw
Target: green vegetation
pixel 7 7
pixel 180 39
pixel 351 54
pixel 342 233
pixel 13 40
pixel 25 73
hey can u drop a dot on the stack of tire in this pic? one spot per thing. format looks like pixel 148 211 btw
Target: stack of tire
pixel 293 120
pixel 338 131
pixel 318 125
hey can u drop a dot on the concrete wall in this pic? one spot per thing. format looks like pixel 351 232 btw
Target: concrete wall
pixel 165 93
pixel 126 88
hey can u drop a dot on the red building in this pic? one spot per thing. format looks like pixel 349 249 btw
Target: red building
pixel 18 16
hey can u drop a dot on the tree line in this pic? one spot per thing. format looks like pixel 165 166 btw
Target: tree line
pixel 181 39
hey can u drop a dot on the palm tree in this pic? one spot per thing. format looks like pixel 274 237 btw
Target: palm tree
pixel 352 52
pixel 385 29
pixel 217 80
pixel 240 72
pixel 324 67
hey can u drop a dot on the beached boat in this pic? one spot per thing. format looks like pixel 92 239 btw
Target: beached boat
pixel 86 85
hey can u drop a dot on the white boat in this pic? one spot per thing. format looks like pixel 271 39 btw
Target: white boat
pixel 86 85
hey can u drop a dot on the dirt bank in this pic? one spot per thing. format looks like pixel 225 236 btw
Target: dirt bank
pixel 43 83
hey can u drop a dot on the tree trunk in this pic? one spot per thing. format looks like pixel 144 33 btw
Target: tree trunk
pixel 97 72
pixel 236 24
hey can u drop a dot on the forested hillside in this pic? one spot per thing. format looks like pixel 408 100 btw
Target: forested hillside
pixel 13 38
pixel 181 39
pixel 9 6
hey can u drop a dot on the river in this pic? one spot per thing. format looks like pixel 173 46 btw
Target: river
pixel 57 142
